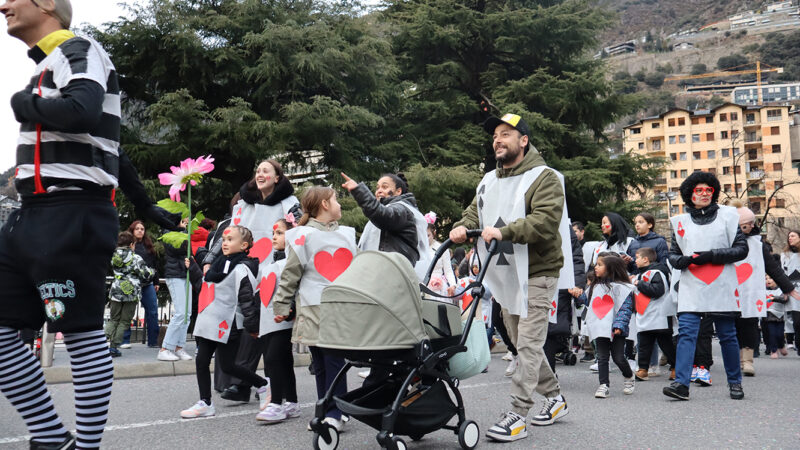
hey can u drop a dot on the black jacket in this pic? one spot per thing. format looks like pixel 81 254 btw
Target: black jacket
pixel 396 222
pixel 563 325
pixel 149 259
pixel 248 302
pixel 174 265
pixel 728 255
pixel 773 267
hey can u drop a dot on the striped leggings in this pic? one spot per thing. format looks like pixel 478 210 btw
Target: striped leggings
pixel 22 382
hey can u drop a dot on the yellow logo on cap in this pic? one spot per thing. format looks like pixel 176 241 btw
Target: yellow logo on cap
pixel 511 119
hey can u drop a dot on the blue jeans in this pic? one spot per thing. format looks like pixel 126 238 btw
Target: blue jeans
pixel 689 328
pixel 150 304
pixel 179 323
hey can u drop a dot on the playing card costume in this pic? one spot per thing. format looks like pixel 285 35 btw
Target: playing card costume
pixel 790 260
pixel 655 311
pixel 56 250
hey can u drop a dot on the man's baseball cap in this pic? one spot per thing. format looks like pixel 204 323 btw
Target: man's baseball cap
pixel 511 119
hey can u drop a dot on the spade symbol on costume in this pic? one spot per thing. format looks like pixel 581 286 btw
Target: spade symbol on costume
pixel 503 247
pixel 480 196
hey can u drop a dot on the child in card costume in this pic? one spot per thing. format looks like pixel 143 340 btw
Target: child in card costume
pixel 319 250
pixel 522 205
pixel 226 306
pixel 790 260
pixel 609 302
pixel 706 242
pixel 776 310
pixel 275 339
pixel 618 237
pixel 654 311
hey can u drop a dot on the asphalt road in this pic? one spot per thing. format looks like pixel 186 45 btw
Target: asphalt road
pixel 144 414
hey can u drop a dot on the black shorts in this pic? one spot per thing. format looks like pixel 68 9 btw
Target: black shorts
pixel 55 253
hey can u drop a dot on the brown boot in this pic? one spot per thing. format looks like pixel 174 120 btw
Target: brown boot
pixel 641 375
pixel 747 362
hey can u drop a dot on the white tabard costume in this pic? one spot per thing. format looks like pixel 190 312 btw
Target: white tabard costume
pixel 775 308
pixel 501 201
pixel 269 274
pixel 218 306
pixel 750 273
pixel 324 256
pixel 617 247
pixel 791 266
pixel 260 219
pixel 604 304
pixel 710 287
pixel 371 240
pixel 652 313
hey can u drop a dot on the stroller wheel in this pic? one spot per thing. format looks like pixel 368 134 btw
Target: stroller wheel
pixel 571 359
pixel 468 435
pixel 398 444
pixel 416 437
pixel 328 439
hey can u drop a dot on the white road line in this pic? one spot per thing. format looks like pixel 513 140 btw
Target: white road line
pixel 13 439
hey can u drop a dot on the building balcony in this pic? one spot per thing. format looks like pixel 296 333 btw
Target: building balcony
pixel 752 124
pixel 755 157
pixel 661 181
pixel 756 193
pixel 755 174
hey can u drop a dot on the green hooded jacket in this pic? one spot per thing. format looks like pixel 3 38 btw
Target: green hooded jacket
pixel 539 228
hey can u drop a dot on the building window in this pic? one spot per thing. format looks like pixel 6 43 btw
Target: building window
pixel 673 156
pixel 673 174
pixel 672 139
pixel 780 203
pixel 695 138
pixel 750 119
pixel 670 122
pixel 774 115
pixel 737 169
pixel 734 116
pixel 682 139
pixel 723 117
pixel 709 119
pixel 656 125
pixel 774 131
pixel 695 121
pixel 738 186
pixel 684 173
pixel 735 151
pixel 777 166
pixel 636 130
pixel 734 134
pixel 683 156
pixel 641 145
pixel 776 148
pixel 681 121
pixel 695 155
pixel 712 154
pixel 726 188
pixel 712 170
pixel 726 170
pixel 657 144
pixel 723 135
pixel 778 184
pixel 726 152
pixel 709 136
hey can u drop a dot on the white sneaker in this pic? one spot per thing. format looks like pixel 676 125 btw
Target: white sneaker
pixel 511 427
pixel 338 424
pixel 629 385
pixel 653 372
pixel 633 364
pixel 183 355
pixel 553 409
pixel 167 355
pixel 594 367
pixel 292 410
pixel 200 409
pixel 273 413
pixel 264 394
pixel 601 392
pixel 512 366
pixel 507 357
pixel 364 373
pixel 125 346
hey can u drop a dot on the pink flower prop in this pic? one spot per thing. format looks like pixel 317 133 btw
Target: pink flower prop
pixel 436 283
pixel 430 217
pixel 190 172
pixel 290 219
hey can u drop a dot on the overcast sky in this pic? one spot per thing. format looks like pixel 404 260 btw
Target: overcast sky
pixel 18 68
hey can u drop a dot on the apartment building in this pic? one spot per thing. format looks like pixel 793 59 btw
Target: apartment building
pixel 747 147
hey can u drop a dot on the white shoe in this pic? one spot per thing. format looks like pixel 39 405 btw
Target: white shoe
pixel 511 427
pixel 291 409
pixel 601 392
pixel 507 357
pixel 273 413
pixel 264 394
pixel 633 364
pixel 167 355
pixel 125 346
pixel 594 367
pixel 553 409
pixel 653 372
pixel 364 373
pixel 183 355
pixel 200 409
pixel 512 366
pixel 629 385
pixel 336 423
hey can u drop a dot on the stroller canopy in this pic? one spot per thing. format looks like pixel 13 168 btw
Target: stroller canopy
pixel 374 305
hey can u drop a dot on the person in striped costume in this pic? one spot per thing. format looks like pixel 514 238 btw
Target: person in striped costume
pixel 55 251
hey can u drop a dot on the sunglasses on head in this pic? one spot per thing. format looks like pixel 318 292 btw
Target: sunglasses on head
pixel 704 190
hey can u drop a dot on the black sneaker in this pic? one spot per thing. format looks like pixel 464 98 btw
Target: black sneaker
pixel 677 391
pixel 587 358
pixel 236 393
pixel 114 352
pixel 736 391
pixel 67 444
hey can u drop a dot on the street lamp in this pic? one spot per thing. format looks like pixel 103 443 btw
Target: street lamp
pixel 669 196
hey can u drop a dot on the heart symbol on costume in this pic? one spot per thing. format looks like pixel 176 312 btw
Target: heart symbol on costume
pixel 301 240
pixel 466 298
pixel 206 297
pixel 743 272
pixel 553 311
pixel 681 232
pixel 224 324
pixel 647 275
pixel 239 211
pixel 221 333
pixel 236 221
pixel 601 306
pixel 266 288
pixel 261 249
pixel 760 305
pixel 331 266
pixel 706 273
pixel 769 304
pixel 642 302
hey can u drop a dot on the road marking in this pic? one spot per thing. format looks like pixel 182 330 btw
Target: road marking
pixel 129 426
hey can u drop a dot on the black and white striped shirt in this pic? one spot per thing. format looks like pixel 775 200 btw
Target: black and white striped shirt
pixel 73 153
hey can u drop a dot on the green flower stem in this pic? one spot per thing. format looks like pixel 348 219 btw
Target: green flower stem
pixel 188 256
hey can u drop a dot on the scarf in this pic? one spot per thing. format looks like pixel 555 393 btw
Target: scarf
pixel 217 273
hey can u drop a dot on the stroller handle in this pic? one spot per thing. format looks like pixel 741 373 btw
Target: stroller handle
pixel 446 245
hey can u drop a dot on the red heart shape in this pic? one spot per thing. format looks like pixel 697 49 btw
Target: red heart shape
pixel 236 221
pixel 301 240
pixel 760 305
pixel 647 275
pixel 221 333
pixel 706 273
pixel 743 272
pixel 224 324
pixel 642 302
pixel 206 297
pixel 769 304
pixel 266 288
pixel 261 249
pixel 331 266
pixel 681 232
pixel 601 306
pixel 553 311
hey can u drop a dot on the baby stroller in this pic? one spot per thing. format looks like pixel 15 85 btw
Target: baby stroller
pixel 375 316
